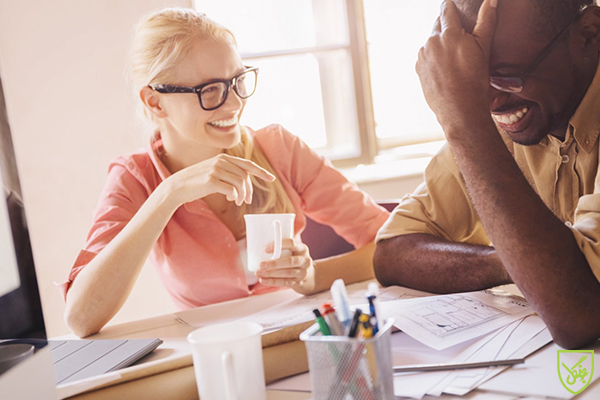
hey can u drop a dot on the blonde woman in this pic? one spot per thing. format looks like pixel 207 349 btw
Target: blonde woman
pixel 181 201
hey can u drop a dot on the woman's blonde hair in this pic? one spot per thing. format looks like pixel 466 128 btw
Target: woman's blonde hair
pixel 161 41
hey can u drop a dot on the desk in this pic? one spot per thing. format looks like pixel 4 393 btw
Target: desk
pixel 180 383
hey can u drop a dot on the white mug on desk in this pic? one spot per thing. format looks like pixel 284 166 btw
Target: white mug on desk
pixel 262 229
pixel 228 361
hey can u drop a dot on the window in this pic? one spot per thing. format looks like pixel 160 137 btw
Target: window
pixel 314 58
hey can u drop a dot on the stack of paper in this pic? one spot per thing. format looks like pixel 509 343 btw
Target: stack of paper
pixel 461 328
pixel 458 328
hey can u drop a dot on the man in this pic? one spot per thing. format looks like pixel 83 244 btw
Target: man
pixel 516 92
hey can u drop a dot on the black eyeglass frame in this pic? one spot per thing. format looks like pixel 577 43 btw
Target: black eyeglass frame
pixel 520 79
pixel 229 83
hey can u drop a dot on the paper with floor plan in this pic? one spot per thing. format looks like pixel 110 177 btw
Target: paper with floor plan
pixel 444 321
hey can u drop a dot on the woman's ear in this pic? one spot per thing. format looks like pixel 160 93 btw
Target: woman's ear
pixel 151 100
pixel 589 31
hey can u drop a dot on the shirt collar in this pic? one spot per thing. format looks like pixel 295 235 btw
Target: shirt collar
pixel 156 148
pixel 586 120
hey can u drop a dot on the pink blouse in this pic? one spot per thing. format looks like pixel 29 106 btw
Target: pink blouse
pixel 196 256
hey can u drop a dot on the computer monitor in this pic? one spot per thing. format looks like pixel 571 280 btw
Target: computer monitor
pixel 20 305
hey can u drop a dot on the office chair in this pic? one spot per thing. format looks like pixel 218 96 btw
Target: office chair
pixel 324 242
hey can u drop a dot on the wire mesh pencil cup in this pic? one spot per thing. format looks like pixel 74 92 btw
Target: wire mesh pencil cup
pixel 343 368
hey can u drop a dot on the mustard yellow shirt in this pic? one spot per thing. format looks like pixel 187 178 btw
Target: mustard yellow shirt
pixel 563 173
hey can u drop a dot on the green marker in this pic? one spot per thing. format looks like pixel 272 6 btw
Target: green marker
pixel 322 324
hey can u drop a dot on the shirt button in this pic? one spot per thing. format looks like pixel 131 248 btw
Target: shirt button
pixel 228 241
pixel 565 159
pixel 568 223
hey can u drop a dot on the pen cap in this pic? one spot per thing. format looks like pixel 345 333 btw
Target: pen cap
pixel 374 290
pixel 332 320
pixel 340 299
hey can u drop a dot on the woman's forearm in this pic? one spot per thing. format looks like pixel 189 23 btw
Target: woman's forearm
pixel 102 287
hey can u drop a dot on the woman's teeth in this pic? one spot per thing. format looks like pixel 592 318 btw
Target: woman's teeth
pixel 509 119
pixel 224 123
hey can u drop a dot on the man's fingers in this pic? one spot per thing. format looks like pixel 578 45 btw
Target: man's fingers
pixel 449 17
pixel 485 26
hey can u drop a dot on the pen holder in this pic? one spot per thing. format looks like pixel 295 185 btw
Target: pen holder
pixel 343 368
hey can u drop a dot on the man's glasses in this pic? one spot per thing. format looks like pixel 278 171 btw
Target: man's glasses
pixel 213 95
pixel 514 84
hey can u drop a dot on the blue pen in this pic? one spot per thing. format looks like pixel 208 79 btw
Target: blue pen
pixel 374 290
pixel 373 312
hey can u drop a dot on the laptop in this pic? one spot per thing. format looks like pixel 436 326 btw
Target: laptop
pixel 22 330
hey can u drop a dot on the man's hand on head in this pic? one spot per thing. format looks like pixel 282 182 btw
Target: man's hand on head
pixel 453 66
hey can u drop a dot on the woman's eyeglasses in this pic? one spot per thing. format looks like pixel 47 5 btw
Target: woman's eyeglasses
pixel 213 95
pixel 514 84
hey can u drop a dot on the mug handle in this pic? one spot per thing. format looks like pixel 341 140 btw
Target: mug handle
pixel 229 376
pixel 277 243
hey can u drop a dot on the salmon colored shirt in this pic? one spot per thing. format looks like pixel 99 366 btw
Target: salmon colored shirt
pixel 197 256
pixel 564 173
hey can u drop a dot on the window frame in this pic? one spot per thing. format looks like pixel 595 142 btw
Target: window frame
pixel 370 145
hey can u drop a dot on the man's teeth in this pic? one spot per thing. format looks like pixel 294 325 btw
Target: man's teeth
pixel 509 119
pixel 224 122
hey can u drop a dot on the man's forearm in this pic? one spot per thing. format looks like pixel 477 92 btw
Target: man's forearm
pixel 537 249
pixel 432 264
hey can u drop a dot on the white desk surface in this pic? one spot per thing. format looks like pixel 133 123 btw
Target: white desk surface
pixel 174 332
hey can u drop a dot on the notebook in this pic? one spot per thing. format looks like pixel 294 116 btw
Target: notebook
pixel 79 359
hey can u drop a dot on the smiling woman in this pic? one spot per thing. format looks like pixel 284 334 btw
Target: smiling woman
pixel 181 201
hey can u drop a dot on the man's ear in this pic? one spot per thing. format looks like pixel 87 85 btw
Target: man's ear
pixel 151 100
pixel 588 31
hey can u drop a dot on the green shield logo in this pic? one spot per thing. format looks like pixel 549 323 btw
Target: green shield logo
pixel 575 369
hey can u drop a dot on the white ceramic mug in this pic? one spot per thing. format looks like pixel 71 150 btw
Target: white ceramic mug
pixel 262 229
pixel 228 361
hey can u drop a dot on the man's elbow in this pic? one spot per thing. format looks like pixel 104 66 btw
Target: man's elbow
pixel 574 339
pixel 386 264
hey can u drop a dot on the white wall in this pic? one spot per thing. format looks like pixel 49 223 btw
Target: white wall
pixel 71 111
pixel 63 68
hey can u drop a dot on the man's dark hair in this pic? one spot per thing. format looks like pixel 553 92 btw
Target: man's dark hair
pixel 553 15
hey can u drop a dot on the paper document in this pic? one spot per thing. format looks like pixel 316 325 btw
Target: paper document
pixel 510 346
pixel 296 311
pixel 539 377
pixel 444 321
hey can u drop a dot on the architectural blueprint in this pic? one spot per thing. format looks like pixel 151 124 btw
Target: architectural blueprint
pixel 443 321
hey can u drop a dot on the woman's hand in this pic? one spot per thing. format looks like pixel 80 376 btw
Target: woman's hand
pixel 223 174
pixel 293 269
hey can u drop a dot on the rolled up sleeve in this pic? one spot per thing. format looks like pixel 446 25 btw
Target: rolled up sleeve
pixel 440 206
pixel 586 229
pixel 122 196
